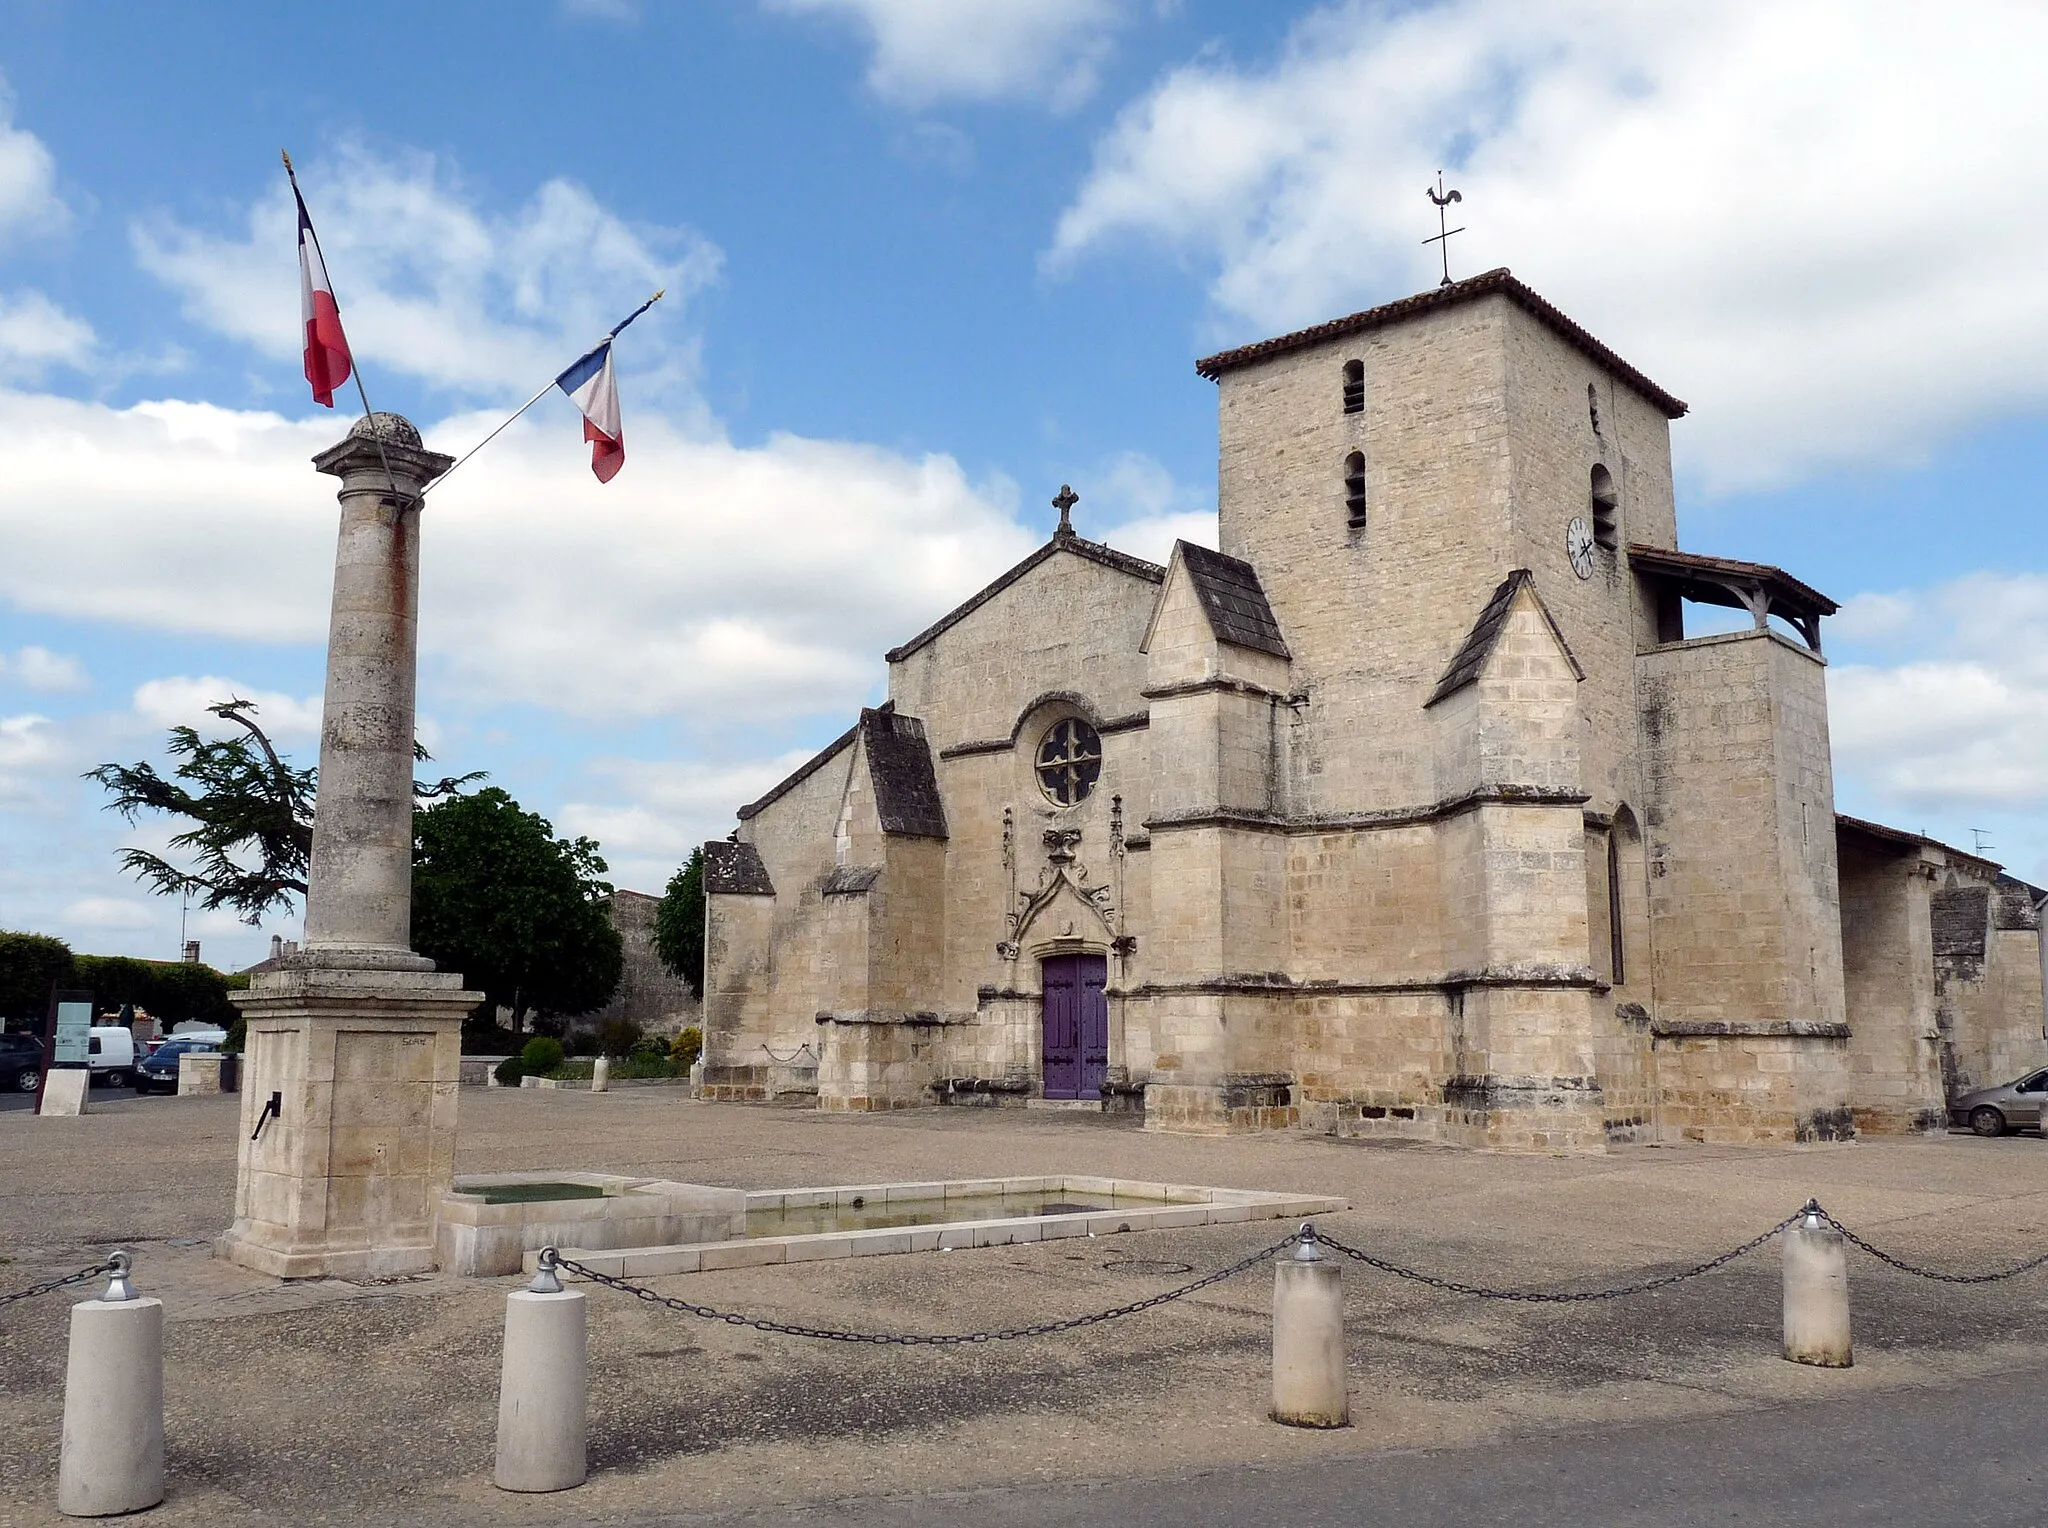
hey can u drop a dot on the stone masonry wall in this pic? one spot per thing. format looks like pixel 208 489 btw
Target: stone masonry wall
pixel 1745 928
pixel 1888 983
pixel 1371 615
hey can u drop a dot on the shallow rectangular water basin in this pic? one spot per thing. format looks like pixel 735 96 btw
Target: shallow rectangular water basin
pixel 866 1220
pixel 536 1193
pixel 487 1222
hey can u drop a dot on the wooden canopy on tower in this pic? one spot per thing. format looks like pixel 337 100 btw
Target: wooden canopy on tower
pixel 1762 590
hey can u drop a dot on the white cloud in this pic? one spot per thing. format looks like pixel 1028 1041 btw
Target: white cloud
pixel 1961 725
pixel 480 303
pixel 177 516
pixel 707 580
pixel 29 203
pixel 1144 509
pixel 653 815
pixel 113 914
pixel 927 51
pixel 35 333
pixel 37 668
pixel 29 756
pixel 1808 217
pixel 182 701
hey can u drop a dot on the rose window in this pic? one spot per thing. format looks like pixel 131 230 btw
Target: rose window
pixel 1069 761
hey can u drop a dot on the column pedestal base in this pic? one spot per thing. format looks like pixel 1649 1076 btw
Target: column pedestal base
pixel 349 1090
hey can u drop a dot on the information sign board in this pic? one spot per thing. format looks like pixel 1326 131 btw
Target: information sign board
pixel 70 1028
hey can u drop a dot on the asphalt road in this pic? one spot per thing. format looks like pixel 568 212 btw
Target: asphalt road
pixel 10 1099
pixel 1962 1457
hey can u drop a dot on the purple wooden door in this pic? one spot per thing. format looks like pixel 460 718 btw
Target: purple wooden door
pixel 1076 1025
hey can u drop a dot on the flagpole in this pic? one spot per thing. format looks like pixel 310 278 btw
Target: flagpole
pixel 355 365
pixel 472 451
pixel 546 388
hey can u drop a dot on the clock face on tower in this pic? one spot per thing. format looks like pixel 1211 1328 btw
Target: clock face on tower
pixel 1578 546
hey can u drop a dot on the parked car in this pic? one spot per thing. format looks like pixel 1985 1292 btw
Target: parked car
pixel 205 1034
pixel 21 1063
pixel 159 1069
pixel 111 1054
pixel 1993 1111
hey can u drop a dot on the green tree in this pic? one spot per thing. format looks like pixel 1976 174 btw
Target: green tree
pixel 30 965
pixel 519 912
pixel 247 803
pixel 679 923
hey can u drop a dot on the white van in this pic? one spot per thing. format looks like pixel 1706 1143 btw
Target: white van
pixel 110 1055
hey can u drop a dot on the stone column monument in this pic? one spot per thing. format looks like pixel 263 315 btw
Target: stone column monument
pixel 349 1082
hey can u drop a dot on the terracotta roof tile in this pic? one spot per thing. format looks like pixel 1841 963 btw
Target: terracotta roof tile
pixel 1500 281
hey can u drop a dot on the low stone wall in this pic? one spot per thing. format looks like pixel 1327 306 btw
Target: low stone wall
pixel 1227 1107
pixel 199 1073
pixel 871 1065
pixel 786 1083
pixel 1724 1083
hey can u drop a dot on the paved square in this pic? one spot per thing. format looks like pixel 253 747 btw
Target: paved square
pixel 326 1401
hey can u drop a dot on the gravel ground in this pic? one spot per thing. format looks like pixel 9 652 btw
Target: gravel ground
pixel 315 1402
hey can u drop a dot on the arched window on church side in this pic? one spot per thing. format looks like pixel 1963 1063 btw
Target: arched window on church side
pixel 1354 387
pixel 1354 489
pixel 1617 946
pixel 1606 508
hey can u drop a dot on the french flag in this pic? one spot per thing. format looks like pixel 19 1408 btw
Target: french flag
pixel 592 388
pixel 327 357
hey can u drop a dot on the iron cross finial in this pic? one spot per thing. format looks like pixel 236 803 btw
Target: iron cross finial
pixel 1442 238
pixel 1064 501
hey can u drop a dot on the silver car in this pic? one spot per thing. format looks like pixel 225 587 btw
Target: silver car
pixel 1993 1111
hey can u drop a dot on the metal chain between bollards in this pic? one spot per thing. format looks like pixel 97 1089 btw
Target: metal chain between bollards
pixel 916 1339
pixel 1936 1274
pixel 1547 1297
pixel 48 1286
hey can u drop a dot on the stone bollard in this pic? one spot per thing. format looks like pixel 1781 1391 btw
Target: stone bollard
pixel 112 1457
pixel 1310 1385
pixel 601 1074
pixel 1816 1292
pixel 65 1092
pixel 542 1421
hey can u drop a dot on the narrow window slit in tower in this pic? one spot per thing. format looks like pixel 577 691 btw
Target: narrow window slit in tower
pixel 1606 508
pixel 1354 387
pixel 1354 488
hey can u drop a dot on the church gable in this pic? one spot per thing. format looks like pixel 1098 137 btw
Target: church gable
pixel 1064 543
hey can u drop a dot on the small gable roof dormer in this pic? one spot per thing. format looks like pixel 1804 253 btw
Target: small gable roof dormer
pixel 1479 643
pixel 898 758
pixel 1231 596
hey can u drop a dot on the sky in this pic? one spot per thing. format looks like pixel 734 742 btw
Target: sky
pixel 926 260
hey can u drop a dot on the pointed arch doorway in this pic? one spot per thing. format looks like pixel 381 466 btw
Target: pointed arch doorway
pixel 1076 1025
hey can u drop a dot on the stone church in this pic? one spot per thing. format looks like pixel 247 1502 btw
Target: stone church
pixel 1413 811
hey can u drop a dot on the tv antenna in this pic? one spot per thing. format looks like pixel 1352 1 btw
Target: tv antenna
pixel 1442 237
